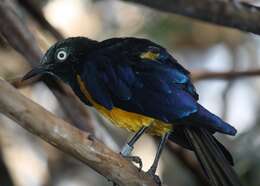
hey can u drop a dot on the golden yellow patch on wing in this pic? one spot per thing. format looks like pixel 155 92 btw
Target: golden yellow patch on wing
pixel 124 119
pixel 149 55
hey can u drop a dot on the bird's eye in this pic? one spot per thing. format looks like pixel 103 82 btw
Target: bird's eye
pixel 62 55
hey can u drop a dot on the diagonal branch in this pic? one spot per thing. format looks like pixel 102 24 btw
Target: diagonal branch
pixel 16 32
pixel 69 139
pixel 36 13
pixel 228 13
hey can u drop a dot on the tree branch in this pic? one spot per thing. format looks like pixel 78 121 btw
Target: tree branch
pixel 207 75
pixel 36 13
pixel 16 32
pixel 238 15
pixel 67 138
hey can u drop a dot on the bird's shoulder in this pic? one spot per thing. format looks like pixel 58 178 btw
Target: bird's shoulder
pixel 135 50
pixel 126 45
pixel 143 58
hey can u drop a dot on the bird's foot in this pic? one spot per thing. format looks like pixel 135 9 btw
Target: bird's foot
pixel 127 149
pixel 136 160
pixel 114 183
pixel 156 178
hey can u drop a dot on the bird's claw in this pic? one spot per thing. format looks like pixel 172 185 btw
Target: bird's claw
pixel 114 183
pixel 155 177
pixel 136 160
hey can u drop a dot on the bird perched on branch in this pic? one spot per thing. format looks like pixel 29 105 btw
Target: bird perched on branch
pixel 139 86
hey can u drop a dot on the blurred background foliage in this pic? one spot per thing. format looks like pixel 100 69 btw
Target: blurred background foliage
pixel 28 161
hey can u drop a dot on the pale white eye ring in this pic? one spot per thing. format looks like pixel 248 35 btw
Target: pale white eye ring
pixel 62 55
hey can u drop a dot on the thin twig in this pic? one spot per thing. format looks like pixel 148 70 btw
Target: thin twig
pixel 207 75
pixel 242 16
pixel 69 139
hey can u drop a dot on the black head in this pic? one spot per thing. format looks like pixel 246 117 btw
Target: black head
pixel 60 59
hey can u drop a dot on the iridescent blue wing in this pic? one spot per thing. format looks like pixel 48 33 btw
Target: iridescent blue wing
pixel 141 77
pixel 168 68
pixel 156 87
pixel 162 85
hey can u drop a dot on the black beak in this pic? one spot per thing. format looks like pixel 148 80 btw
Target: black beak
pixel 35 71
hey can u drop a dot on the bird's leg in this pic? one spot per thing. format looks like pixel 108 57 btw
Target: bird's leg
pixel 129 146
pixel 154 166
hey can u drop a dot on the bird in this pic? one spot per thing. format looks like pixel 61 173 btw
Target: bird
pixel 138 85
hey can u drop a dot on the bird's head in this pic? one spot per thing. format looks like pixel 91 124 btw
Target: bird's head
pixel 60 58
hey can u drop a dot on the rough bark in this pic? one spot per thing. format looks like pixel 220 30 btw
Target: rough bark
pixel 16 32
pixel 230 13
pixel 69 139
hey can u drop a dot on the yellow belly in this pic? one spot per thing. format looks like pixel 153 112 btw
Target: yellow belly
pixel 128 120
pixel 134 122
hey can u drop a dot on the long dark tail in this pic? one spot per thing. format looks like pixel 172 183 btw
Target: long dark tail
pixel 213 156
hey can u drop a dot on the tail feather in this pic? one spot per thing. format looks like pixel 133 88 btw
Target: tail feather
pixel 178 136
pixel 226 153
pixel 211 121
pixel 214 160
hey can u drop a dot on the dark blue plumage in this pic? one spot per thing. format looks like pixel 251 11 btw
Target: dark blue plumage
pixel 138 84
pixel 161 88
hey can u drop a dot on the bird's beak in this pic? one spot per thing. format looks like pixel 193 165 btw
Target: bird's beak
pixel 41 69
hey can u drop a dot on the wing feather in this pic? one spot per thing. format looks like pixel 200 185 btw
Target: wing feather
pixel 158 87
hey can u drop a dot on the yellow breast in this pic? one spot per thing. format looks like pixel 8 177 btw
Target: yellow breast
pixel 124 119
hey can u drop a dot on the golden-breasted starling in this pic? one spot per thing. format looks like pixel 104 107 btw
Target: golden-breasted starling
pixel 138 85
